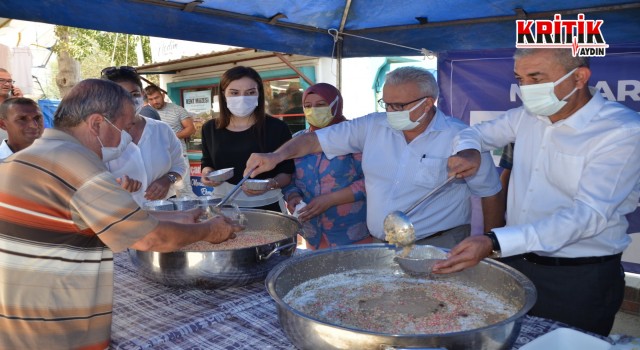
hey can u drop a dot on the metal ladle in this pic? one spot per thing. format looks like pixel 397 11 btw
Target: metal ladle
pixel 218 207
pixel 398 226
pixel 235 189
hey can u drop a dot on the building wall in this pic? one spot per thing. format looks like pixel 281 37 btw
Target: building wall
pixel 358 74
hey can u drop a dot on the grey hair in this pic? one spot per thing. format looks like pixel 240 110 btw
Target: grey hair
pixel 91 96
pixel 421 76
pixel 563 56
pixel 16 101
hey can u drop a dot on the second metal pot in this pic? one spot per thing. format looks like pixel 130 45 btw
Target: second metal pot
pixel 307 332
pixel 223 268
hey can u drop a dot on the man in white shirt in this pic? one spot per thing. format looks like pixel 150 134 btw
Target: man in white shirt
pixel 22 119
pixel 404 156
pixel 575 175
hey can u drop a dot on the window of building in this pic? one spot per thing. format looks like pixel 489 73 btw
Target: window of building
pixel 284 101
pixel 202 104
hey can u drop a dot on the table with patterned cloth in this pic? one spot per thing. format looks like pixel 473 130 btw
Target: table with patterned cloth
pixel 149 315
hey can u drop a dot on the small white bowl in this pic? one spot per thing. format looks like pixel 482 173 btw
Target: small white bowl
pixel 220 175
pixel 256 185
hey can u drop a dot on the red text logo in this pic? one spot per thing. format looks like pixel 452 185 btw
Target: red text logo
pixel 583 37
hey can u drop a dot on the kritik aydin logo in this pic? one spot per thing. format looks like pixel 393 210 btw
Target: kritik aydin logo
pixel 583 37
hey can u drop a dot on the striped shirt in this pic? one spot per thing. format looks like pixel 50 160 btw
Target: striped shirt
pixel 61 216
pixel 173 115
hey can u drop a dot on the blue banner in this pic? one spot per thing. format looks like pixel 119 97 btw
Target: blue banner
pixel 48 108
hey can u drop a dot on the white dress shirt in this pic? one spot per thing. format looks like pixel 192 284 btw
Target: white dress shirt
pixel 5 151
pixel 397 174
pixel 161 153
pixel 572 181
pixel 131 164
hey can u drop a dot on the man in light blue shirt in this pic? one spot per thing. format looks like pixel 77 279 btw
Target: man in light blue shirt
pixel 575 175
pixel 404 156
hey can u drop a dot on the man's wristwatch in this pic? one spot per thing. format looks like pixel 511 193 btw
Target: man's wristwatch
pixel 172 178
pixel 495 245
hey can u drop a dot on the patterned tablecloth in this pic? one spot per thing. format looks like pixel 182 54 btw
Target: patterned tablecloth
pixel 149 315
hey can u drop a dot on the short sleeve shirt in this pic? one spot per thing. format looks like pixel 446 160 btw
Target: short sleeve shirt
pixel 398 173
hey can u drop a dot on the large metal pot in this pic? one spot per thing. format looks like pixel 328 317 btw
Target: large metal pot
pixel 223 268
pixel 307 332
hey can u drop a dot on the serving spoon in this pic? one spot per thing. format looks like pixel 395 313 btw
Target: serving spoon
pixel 398 227
pixel 217 209
pixel 234 190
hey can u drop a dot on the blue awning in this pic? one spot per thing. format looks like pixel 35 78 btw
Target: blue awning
pixel 303 26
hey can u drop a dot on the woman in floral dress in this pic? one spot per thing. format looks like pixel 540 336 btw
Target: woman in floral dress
pixel 328 195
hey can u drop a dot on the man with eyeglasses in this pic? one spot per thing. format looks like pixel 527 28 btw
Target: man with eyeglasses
pixel 404 156
pixel 7 90
pixel 7 87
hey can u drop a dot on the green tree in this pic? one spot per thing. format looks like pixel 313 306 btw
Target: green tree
pixel 94 50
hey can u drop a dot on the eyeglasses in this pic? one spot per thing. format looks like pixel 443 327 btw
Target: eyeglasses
pixel 397 106
pixel 5 81
pixel 111 71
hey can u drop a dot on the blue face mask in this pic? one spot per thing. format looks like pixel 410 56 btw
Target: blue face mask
pixel 401 120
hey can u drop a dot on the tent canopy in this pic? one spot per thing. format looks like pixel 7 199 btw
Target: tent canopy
pixel 303 26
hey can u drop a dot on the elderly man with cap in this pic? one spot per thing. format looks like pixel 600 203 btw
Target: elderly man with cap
pixel 404 156
pixel 63 215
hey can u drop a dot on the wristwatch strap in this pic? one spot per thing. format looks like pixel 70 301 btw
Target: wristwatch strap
pixel 496 252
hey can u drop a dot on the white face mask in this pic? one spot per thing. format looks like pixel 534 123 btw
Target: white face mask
pixel 111 153
pixel 138 103
pixel 401 120
pixel 540 99
pixel 242 106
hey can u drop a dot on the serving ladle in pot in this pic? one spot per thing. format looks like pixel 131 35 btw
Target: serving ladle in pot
pixel 235 189
pixel 217 209
pixel 398 227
